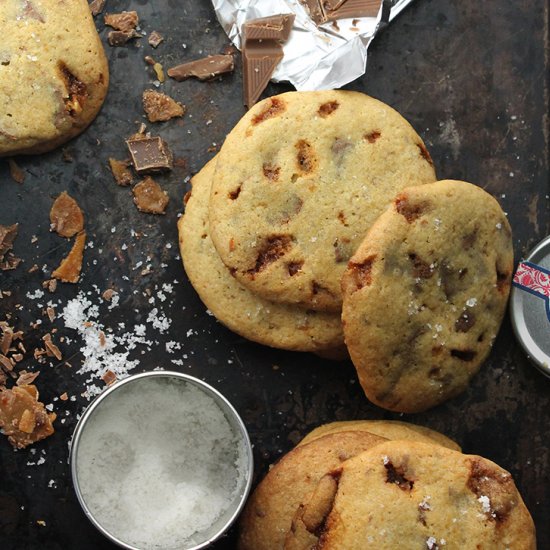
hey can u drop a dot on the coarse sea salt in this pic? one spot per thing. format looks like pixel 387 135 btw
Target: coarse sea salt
pixel 158 464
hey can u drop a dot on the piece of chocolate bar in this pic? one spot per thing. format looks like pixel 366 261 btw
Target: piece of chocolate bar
pixel 203 69
pixel 322 11
pixel 336 9
pixel 150 154
pixel 262 51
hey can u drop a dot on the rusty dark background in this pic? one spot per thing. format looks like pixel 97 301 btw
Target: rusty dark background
pixel 472 78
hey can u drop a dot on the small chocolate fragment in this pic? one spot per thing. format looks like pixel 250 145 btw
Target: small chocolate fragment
pixel 16 172
pixel 262 51
pixel 7 237
pixel 161 107
pixel 155 38
pixel 125 21
pixel 149 197
pixel 315 10
pixel 96 6
pixel 66 217
pixel 123 176
pixel 109 377
pixel 150 154
pixel 322 11
pixel 351 8
pixel 203 69
pixel 119 38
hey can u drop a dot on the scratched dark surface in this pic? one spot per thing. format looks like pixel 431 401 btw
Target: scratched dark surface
pixel 472 78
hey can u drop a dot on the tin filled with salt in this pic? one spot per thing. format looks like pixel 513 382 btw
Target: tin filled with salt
pixel 160 461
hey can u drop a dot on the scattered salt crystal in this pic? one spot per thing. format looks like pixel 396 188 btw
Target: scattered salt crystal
pixel 498 225
pixel 37 294
pixel 485 503
pixel 471 302
pixel 431 543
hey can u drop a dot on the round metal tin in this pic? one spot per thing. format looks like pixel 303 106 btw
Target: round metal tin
pixel 530 305
pixel 230 515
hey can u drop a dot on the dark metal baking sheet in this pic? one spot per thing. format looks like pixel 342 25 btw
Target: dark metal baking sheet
pixel 472 78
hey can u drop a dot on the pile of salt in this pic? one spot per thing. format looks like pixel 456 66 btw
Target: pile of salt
pixel 158 464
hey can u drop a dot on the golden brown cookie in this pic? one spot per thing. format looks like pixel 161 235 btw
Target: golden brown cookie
pixel 390 429
pixel 411 495
pixel 299 181
pixel 268 514
pixel 425 293
pixel 276 325
pixel 53 73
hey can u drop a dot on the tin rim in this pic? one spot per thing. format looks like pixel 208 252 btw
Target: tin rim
pixel 220 399
pixel 537 356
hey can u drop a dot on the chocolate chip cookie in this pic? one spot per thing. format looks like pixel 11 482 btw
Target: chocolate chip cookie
pixel 411 495
pixel 53 73
pixel 277 325
pixel 299 181
pixel 425 293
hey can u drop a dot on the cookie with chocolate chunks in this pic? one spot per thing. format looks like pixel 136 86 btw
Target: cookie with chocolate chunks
pixel 411 495
pixel 267 519
pixel 276 325
pixel 425 293
pixel 299 181
pixel 53 75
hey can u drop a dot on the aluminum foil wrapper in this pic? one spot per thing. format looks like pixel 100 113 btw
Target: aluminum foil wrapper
pixel 315 57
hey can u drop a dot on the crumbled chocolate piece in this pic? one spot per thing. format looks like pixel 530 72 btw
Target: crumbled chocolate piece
pixel 51 349
pixel 123 176
pixel 119 38
pixel 69 269
pixel 66 217
pixel 6 363
pixel 262 51
pixel 160 107
pixel 108 294
pixel 155 38
pixel 149 154
pixel 26 378
pixel 24 419
pixel 8 235
pixel 50 285
pixel 16 172
pixel 149 197
pixel 109 377
pixel 125 21
pixel 96 6
pixel 203 69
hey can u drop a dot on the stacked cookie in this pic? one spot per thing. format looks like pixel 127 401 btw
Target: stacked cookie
pixel 320 222
pixel 382 484
pixel 274 218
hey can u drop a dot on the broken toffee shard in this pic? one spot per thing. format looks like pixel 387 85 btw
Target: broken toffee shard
pixel 150 154
pixel 322 11
pixel 203 69
pixel 262 50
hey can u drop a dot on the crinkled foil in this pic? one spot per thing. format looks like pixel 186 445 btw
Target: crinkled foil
pixel 315 57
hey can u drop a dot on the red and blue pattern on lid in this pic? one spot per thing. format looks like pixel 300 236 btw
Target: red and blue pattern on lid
pixel 530 305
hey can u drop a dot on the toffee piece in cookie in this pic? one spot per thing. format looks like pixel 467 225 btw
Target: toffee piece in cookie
pixel 425 293
pixel 410 495
pixel 277 325
pixel 53 74
pixel 299 181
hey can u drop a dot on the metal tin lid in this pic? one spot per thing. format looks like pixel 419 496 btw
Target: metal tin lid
pixel 530 305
